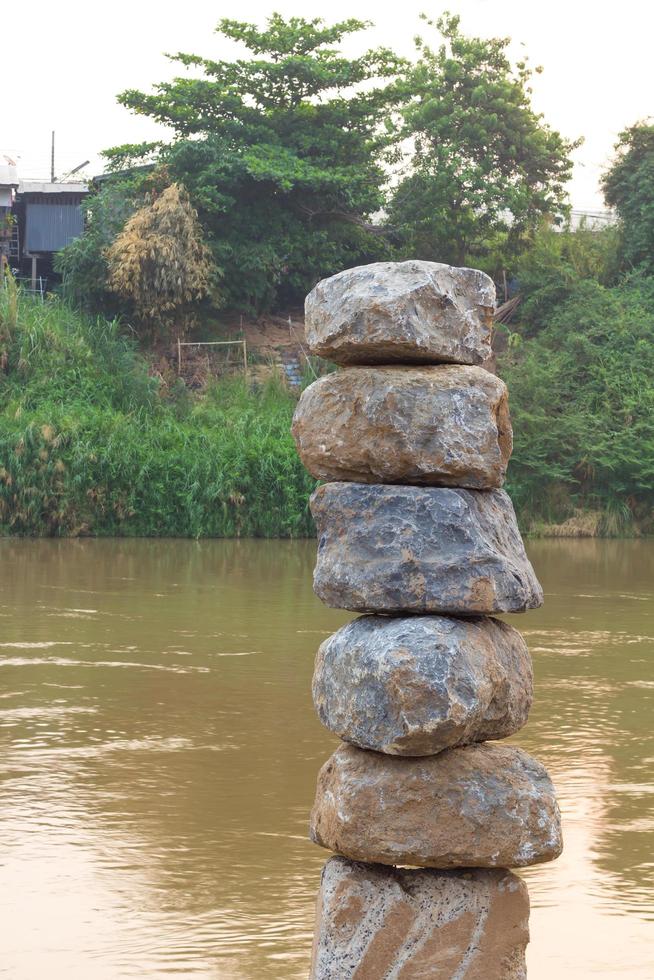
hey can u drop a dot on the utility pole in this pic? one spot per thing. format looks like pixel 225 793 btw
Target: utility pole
pixel 52 166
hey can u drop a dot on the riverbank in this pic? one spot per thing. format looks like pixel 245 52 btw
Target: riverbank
pixel 96 441
pixel 585 524
pixel 92 444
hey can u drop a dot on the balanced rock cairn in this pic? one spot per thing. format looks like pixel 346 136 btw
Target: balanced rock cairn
pixel 425 813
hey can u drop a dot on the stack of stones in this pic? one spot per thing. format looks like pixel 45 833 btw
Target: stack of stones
pixel 424 811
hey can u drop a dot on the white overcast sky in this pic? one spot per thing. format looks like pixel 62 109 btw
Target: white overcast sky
pixel 63 64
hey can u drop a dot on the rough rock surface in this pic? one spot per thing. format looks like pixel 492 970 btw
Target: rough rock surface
pixel 445 425
pixel 419 684
pixel 402 311
pixel 479 806
pixel 421 550
pixel 376 923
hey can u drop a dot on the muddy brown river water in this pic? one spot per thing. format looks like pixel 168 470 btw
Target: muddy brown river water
pixel 159 755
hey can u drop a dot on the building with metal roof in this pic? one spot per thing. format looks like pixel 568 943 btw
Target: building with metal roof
pixel 47 187
pixel 37 219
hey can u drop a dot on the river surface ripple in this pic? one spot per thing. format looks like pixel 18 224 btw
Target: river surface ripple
pixel 160 750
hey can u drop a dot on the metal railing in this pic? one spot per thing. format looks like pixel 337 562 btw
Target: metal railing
pixel 26 288
pixel 37 291
pixel 212 343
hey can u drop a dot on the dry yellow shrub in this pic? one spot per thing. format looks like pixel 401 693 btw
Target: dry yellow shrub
pixel 159 261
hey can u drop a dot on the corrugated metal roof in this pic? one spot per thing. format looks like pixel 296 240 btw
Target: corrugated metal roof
pixel 45 187
pixel 8 174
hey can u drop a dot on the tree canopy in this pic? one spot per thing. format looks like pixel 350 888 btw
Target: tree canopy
pixel 290 149
pixel 482 160
pixel 281 151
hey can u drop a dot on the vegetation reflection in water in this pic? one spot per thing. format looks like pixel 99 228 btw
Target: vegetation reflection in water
pixel 160 753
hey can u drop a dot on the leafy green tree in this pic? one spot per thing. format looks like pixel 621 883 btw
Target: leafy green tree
pixel 628 186
pixel 484 163
pixel 281 152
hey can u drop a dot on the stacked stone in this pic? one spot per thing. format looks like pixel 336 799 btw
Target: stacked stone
pixel 415 532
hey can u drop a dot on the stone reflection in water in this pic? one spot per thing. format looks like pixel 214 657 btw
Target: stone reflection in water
pixel 391 922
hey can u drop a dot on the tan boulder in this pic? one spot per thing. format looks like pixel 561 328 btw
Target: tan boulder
pixel 376 923
pixel 479 806
pixel 415 685
pixel 444 425
pixel 404 312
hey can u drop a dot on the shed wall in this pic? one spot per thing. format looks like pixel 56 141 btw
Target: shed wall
pixel 50 227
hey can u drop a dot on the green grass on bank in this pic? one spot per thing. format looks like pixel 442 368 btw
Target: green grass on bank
pixel 89 446
pixel 91 443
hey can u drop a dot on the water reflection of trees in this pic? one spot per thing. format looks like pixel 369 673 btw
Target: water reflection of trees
pixel 627 564
pixel 199 562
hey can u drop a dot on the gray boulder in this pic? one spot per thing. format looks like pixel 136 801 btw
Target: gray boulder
pixel 396 549
pixel 416 685
pixel 375 923
pixel 445 425
pixel 402 312
pixel 478 806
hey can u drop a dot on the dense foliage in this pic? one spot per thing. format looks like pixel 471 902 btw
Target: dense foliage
pixel 290 152
pixel 580 368
pixel 287 153
pixel 89 446
pixel 629 188
pixel 83 264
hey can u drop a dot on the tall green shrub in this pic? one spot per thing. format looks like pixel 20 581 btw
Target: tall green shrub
pixel 580 370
